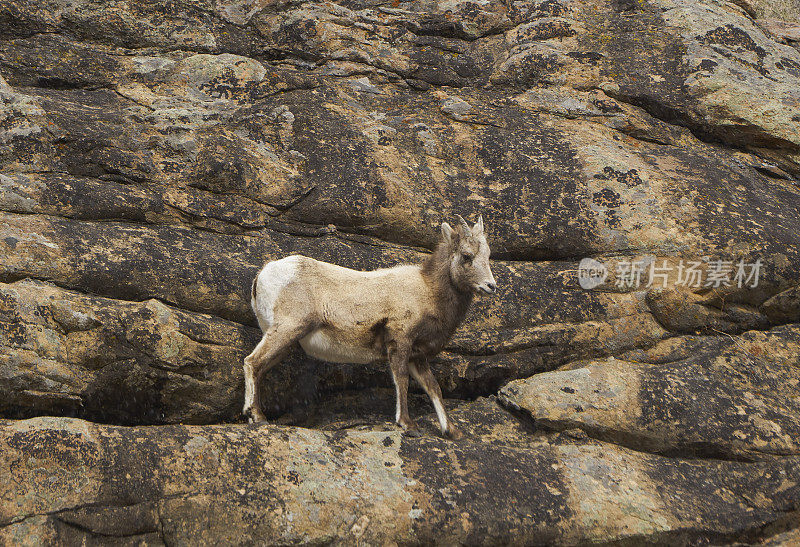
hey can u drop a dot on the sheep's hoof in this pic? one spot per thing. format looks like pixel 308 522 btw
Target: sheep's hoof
pixel 453 433
pixel 253 415
pixel 410 429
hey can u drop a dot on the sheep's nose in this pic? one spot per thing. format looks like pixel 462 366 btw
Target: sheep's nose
pixel 492 287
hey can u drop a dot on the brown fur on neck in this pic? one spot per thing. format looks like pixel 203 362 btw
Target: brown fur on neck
pixel 452 302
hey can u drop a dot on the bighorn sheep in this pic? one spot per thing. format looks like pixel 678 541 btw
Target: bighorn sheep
pixel 404 314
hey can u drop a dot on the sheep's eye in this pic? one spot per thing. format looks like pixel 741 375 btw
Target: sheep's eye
pixel 466 257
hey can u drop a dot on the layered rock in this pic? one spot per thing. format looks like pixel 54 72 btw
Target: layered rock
pixel 153 156
pixel 234 484
pixel 730 398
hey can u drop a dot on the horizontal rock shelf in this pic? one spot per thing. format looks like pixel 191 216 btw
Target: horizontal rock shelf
pixel 74 481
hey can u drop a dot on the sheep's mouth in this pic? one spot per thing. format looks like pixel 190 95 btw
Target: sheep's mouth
pixel 480 289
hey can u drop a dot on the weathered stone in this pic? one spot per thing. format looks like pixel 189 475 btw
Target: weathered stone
pixel 783 31
pixel 153 155
pixel 733 398
pixel 788 10
pixel 784 307
pixel 74 481
pixel 116 361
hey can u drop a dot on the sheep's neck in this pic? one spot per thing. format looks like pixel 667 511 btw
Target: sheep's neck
pixel 452 304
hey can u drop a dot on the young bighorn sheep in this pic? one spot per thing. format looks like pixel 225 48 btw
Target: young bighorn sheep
pixel 404 314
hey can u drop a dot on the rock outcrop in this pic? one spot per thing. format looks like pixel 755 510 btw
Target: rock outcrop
pixel 283 485
pixel 710 396
pixel 153 155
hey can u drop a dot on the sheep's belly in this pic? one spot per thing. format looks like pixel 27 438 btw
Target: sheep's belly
pixel 322 346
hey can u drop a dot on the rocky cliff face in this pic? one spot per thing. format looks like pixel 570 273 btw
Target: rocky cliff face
pixel 154 154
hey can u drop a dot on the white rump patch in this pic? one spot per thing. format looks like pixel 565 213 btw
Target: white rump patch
pixel 271 280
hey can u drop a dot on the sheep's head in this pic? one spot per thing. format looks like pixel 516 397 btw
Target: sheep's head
pixel 469 257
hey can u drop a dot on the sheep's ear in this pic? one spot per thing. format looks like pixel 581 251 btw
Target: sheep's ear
pixel 447 232
pixel 478 228
pixel 462 224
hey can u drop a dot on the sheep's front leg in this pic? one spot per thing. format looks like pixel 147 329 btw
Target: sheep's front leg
pixel 398 361
pixel 422 373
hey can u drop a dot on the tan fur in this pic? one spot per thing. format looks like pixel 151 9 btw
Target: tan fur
pixel 400 314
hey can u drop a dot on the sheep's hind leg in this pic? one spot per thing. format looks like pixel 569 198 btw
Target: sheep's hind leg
pixel 272 348
pixel 422 373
